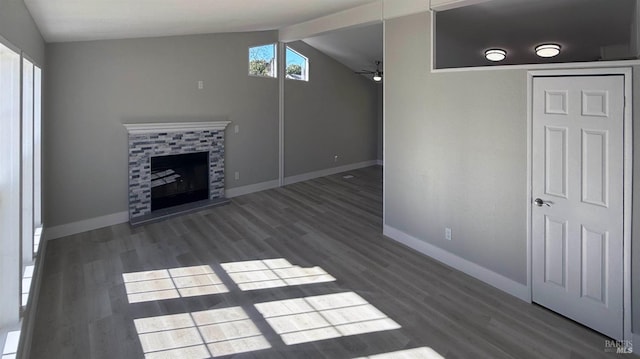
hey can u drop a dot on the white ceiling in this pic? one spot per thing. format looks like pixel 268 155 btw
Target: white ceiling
pixel 78 20
pixel 357 48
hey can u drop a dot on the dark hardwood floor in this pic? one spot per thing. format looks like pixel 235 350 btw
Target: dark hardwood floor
pixel 301 271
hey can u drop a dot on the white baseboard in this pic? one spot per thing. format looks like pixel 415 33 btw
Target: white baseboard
pixel 68 229
pixel 122 217
pixel 327 172
pixel 257 187
pixel 490 277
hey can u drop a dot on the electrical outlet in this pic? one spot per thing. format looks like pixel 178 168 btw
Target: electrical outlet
pixel 335 158
pixel 237 175
pixel 447 233
pixel 236 128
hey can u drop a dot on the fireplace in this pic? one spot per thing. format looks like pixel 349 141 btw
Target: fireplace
pixel 174 168
pixel 179 179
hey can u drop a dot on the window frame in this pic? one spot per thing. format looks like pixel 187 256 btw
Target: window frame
pixel 305 68
pixel 274 68
pixel 20 187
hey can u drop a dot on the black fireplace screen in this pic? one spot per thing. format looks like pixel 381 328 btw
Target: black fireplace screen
pixel 179 179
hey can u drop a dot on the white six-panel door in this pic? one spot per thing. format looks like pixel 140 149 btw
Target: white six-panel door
pixel 577 187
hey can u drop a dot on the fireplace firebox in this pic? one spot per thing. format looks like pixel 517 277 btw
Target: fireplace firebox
pixel 179 179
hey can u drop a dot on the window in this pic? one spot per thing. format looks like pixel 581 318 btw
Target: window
pixel 27 161
pixel 9 187
pixel 297 65
pixel 30 190
pixel 20 179
pixel 263 61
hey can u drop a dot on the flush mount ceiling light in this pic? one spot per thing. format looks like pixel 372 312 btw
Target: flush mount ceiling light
pixel 495 54
pixel 547 50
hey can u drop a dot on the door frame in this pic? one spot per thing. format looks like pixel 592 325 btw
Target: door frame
pixel 627 175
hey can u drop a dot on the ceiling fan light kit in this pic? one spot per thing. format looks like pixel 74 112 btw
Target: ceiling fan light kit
pixel 376 75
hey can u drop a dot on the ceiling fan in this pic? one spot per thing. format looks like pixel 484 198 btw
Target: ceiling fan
pixel 377 74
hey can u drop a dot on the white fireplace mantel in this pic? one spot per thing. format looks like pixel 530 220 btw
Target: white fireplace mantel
pixel 145 128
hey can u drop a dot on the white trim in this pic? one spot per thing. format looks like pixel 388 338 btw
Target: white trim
pixel 69 229
pixel 529 183
pixel 256 187
pixel 432 42
pixel 533 67
pixel 384 123
pixel 281 111
pixel 488 276
pixel 453 4
pixel 144 128
pixel 628 170
pixel 328 171
pixel 628 198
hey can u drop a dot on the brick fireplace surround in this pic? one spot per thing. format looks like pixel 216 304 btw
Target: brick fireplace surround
pixel 148 140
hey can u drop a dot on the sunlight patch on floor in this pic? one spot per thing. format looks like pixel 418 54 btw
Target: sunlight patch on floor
pixel 273 273
pixel 10 347
pixel 37 235
pixel 172 283
pixel 204 334
pixel 303 320
pixel 26 283
pixel 416 353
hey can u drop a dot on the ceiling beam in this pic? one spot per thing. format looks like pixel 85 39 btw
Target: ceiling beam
pixel 361 15
pixel 440 5
pixel 398 8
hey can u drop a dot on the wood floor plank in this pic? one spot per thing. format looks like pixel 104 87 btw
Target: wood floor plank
pixel 333 224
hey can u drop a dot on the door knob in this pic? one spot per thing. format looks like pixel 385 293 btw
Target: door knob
pixel 539 202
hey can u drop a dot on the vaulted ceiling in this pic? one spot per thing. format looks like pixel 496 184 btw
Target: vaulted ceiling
pixel 73 20
pixel 510 24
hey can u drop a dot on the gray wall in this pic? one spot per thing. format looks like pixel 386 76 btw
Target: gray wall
pixel 444 165
pixel 455 155
pixel 92 88
pixel 17 27
pixel 335 113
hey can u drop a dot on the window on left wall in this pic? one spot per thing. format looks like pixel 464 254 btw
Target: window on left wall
pixel 20 181
pixel 10 263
